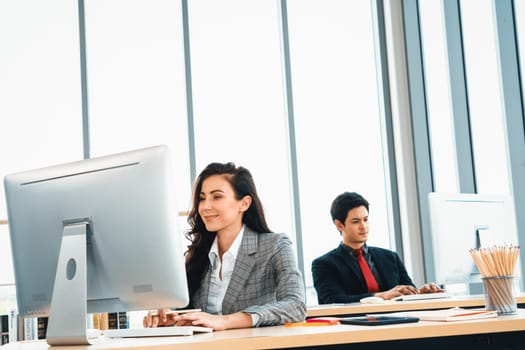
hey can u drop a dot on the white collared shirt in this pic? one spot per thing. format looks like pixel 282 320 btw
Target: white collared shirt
pixel 219 286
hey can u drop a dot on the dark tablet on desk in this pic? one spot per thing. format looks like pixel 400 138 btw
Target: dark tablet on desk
pixel 377 320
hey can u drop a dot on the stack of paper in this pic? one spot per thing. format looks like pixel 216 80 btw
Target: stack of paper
pixel 454 314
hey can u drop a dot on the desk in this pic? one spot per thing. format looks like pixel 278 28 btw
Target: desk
pixel 280 337
pixel 467 301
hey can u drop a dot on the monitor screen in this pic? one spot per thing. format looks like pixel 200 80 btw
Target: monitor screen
pixel 460 222
pixel 100 235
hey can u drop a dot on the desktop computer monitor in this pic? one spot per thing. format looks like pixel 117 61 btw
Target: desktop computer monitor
pixel 96 235
pixel 462 221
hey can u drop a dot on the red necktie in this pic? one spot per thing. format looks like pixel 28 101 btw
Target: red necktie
pixel 371 282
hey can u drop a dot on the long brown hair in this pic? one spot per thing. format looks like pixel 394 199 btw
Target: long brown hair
pixel 201 239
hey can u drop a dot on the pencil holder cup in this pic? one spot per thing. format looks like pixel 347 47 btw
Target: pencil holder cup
pixel 499 294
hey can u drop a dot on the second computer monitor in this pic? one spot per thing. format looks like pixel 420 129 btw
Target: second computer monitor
pixel 464 221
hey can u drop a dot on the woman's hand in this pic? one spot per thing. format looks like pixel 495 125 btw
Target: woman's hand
pixel 203 319
pixel 217 322
pixel 159 318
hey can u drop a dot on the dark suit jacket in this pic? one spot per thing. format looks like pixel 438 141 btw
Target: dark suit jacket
pixel 338 278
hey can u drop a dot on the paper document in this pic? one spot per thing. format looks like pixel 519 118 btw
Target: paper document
pixel 454 314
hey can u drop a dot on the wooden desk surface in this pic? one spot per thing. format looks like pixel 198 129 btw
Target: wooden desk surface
pixel 393 306
pixel 282 337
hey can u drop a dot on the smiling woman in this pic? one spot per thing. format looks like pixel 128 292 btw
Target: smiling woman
pixel 239 272
pixel 235 262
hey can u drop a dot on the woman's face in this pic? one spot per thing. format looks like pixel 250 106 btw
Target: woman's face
pixel 220 211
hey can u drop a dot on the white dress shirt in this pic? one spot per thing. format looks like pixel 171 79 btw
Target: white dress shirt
pixel 218 285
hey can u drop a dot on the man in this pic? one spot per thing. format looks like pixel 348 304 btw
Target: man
pixel 354 270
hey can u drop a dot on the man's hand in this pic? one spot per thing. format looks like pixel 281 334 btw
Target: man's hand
pixel 430 288
pixel 397 291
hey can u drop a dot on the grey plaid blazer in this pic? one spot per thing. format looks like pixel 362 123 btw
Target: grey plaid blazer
pixel 265 281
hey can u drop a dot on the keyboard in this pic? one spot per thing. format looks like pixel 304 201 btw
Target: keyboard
pixel 155 332
pixel 423 296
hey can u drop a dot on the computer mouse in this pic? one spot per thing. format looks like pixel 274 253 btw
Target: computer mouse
pixel 372 300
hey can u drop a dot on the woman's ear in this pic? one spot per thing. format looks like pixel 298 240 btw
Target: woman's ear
pixel 246 201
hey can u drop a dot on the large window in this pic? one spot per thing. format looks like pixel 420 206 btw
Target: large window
pixel 463 97
pixel 135 65
pixel 238 96
pixel 135 93
pixel 337 118
pixel 484 87
pixel 231 100
pixel 136 96
pixel 485 113
pixel 437 85
pixel 40 99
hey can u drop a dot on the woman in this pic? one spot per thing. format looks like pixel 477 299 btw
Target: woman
pixel 239 272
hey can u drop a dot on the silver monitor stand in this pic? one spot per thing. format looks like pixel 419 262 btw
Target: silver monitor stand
pixel 68 312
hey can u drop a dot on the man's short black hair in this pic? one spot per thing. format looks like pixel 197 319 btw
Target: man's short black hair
pixel 344 202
